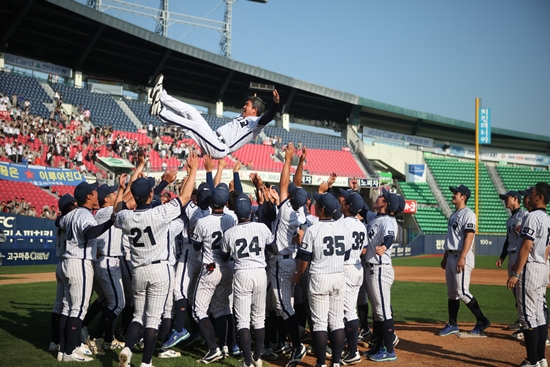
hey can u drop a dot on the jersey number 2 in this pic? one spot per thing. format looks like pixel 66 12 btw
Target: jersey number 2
pixel 334 245
pixel 137 233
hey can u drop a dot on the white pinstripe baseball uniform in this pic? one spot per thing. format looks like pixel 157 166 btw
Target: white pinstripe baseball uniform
pixel 246 243
pixel 458 284
pixel 147 229
pixel 363 297
pixel 513 228
pixel 213 287
pixel 531 287
pixel 176 228
pixel 60 245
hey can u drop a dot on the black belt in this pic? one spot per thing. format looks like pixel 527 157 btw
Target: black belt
pixel 286 256
pixel 156 262
pixel 512 252
pixel 373 265
pixel 220 138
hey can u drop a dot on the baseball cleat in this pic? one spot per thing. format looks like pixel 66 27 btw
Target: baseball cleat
pixel 517 335
pixel 53 347
pixel 60 356
pixel 257 362
pixel 543 363
pixel 195 337
pixel 95 346
pixel 383 356
pixel 212 356
pixel 175 338
pixel 157 85
pixel 365 335
pixel 243 364
pixel 369 353
pixel 169 353
pixel 515 326
pixel 156 106
pixel 84 334
pixel 225 351
pixel 448 330
pixel 547 342
pixel 281 348
pixel 526 363
pixel 348 359
pixel 124 357
pixel 395 340
pixel 76 357
pixel 143 364
pixel 236 351
pixel 115 344
pixel 481 326
pixel 269 355
pixel 84 350
pixel 297 355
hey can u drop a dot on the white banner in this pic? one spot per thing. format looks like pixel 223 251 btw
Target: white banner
pixel 44 67
pixel 386 135
pixel 529 159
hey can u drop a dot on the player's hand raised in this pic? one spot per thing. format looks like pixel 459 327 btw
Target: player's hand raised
pixel 122 181
pixel 332 179
pixel 289 152
pixel 237 166
pixel 170 176
pixel 276 97
pixel 193 161
pixel 304 154
pixel 208 163
pixel 323 187
pixel 353 184
pixel 221 164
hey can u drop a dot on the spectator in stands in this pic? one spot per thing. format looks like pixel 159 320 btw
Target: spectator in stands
pixel 16 209
pixel 26 105
pixel 45 213
pixel 14 100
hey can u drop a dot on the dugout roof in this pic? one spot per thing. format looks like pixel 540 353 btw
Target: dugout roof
pixel 68 33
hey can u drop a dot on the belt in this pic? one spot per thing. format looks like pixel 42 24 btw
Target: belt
pixel 373 265
pixel 512 252
pixel 220 137
pixel 157 261
pixel 281 257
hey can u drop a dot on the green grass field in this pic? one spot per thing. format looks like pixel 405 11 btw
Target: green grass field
pixel 482 262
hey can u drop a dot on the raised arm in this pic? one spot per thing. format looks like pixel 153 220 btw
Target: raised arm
pixel 270 114
pixel 189 185
pixel 236 178
pixel 221 165
pixel 209 167
pixel 285 174
pixel 300 168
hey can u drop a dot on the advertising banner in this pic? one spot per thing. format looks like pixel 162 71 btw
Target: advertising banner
pixel 415 172
pixel 44 67
pixel 387 135
pixel 39 175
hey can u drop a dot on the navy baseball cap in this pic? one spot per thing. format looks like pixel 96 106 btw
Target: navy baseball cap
pixel 243 206
pixel 83 189
pixel 220 196
pixel 462 189
pixel 65 200
pixel 526 192
pixel 391 199
pixel 104 190
pixel 401 205
pixel 298 195
pixel 141 188
pixel 355 201
pixel 327 201
pixel 203 195
pixel 510 193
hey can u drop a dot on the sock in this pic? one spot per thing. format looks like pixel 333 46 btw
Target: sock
pixel 474 307
pixel 220 325
pixel 133 334
pixel 181 314
pixel 453 305
pixel 126 315
pixel 320 339
pixel 245 345
pixel 293 330
pixel 531 340
pixel 541 343
pixel 107 317
pixel 94 310
pixel 388 334
pixel 207 331
pixel 259 337
pixel 337 343
pixel 150 336
pixel 193 325
pixel 74 325
pixel 62 332
pixel 270 331
pixel 281 329
pixel 110 332
pixel 54 319
pixel 164 329
pixel 363 313
pixel 378 335
pixel 231 330
pixel 300 310
pixel 352 334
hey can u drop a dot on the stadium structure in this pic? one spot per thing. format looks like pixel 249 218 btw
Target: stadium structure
pixel 417 154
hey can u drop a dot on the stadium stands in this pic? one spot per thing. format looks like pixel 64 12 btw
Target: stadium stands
pixel 429 217
pixel 32 194
pixel 520 178
pixel 29 88
pixel 324 162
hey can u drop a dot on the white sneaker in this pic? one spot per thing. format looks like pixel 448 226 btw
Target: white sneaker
pixel 115 344
pixel 157 85
pixel 59 356
pixel 156 105
pixel 53 347
pixel 547 342
pixel 84 350
pixel 84 334
pixel 169 353
pixel 76 357
pixel 517 335
pixel 146 364
pixel 95 346
pixel 257 363
pixel 124 357
pixel 543 363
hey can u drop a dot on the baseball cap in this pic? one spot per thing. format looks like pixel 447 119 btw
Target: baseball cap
pixel 526 192
pixel 141 188
pixel 356 202
pixel 401 205
pixel 391 199
pixel 462 189
pixel 243 207
pixel 203 195
pixel 510 193
pixel 104 190
pixel 83 189
pixel 220 196
pixel 65 200
pixel 327 201
pixel 298 195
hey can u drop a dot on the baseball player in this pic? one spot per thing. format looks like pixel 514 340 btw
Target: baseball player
pixel 512 201
pixel 246 243
pixel 108 274
pixel 80 252
pixel 326 245
pixel 530 275
pixel 213 287
pixel 147 230
pixel 228 138
pixel 379 279
pixel 352 203
pixel 282 266
pixel 66 204
pixel 458 263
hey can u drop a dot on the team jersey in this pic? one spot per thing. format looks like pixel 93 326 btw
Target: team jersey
pixel 536 227
pixel 513 228
pixel 327 241
pixel 110 242
pixel 75 224
pixel 230 212
pixel 370 217
pixel 176 228
pixel 311 219
pixel 246 242
pixel 287 223
pixel 240 131
pixel 209 231
pixel 377 230
pixel 147 231
pixel 60 243
pixel 358 234
pixel 460 222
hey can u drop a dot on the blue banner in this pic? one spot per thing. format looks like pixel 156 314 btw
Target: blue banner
pixel 484 126
pixel 39 175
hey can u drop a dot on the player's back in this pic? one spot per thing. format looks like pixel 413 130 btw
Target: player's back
pixel 247 242
pixel 110 242
pixel 287 223
pixel 239 131
pixel 328 242
pixel 209 232
pixel 358 234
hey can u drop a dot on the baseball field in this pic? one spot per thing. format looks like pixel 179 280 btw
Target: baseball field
pixel 418 298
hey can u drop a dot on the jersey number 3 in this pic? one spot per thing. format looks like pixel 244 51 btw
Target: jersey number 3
pixel 334 245
pixel 136 232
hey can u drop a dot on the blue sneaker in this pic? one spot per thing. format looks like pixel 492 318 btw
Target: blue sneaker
pixel 383 356
pixel 175 338
pixel 236 351
pixel 369 353
pixel 194 338
pixel 480 327
pixel 448 330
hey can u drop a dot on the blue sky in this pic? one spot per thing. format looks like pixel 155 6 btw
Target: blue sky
pixel 432 56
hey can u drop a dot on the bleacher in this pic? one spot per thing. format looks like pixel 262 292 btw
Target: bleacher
pixel 310 140
pixel 521 178
pixel 429 217
pixel 32 194
pixel 324 162
pixel 29 87
pixel 447 172
pixel 141 110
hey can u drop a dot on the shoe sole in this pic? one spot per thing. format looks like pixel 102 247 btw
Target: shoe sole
pixel 123 360
pixel 177 341
pixel 204 361
pixel 351 362
pixel 169 356
pixel 158 80
pixel 450 333
pixel 391 359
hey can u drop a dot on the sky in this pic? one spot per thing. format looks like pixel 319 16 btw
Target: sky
pixel 433 56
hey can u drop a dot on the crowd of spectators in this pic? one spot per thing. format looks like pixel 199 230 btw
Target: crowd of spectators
pixel 23 207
